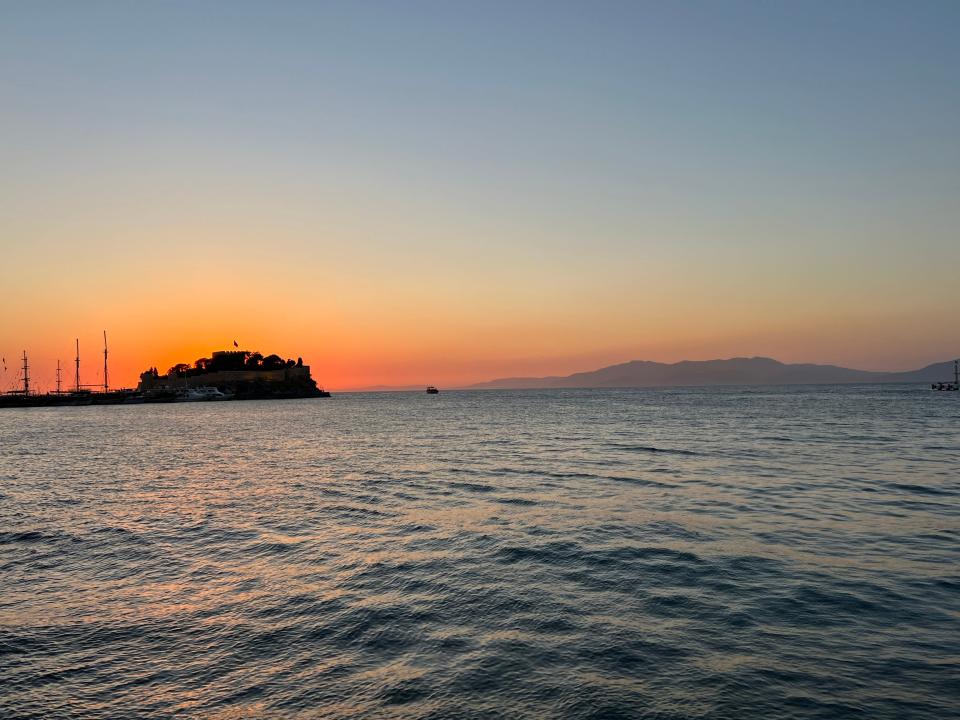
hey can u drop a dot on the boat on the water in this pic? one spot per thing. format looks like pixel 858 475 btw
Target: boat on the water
pixel 203 393
pixel 211 393
pixel 431 390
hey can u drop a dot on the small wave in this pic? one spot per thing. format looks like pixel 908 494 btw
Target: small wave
pixel 554 475
pixel 920 489
pixel 404 691
pixel 635 481
pixel 805 605
pixel 651 449
pixel 598 476
pixel 550 553
pixel 271 548
pixel 516 501
pixel 660 553
pixel 562 551
pixel 357 511
pixel 473 487
pixel 27 536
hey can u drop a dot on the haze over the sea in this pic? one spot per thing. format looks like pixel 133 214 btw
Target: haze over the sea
pixel 452 192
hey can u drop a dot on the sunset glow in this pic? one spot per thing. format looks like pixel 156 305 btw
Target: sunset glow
pixel 480 194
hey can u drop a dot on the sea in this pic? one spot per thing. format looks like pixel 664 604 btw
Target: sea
pixel 734 552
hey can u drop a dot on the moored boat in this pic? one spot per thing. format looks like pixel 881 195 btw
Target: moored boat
pixel 200 394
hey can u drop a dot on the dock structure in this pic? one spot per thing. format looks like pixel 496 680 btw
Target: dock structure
pixel 948 385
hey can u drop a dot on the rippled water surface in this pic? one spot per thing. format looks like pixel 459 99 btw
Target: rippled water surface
pixel 721 553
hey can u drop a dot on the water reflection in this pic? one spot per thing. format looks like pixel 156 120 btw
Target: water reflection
pixel 689 553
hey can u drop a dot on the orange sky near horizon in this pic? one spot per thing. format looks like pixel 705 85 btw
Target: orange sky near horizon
pixel 408 296
pixel 354 344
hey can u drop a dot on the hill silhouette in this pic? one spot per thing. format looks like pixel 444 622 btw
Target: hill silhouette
pixel 733 371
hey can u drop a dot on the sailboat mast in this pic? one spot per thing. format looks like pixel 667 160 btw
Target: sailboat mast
pixel 105 385
pixel 58 377
pixel 26 374
pixel 78 364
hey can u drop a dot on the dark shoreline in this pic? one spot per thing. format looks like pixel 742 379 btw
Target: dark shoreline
pixel 133 397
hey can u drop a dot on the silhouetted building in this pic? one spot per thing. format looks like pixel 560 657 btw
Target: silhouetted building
pixel 228 368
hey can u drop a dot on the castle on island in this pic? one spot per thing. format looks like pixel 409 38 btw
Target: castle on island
pixel 249 374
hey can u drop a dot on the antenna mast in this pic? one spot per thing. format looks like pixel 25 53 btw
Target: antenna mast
pixel 78 364
pixel 26 374
pixel 105 386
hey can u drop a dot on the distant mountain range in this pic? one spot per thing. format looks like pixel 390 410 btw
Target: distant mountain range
pixel 735 371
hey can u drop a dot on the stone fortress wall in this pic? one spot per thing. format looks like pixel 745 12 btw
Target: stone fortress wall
pixel 223 377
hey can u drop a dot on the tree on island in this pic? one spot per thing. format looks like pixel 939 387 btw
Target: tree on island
pixel 232 360
pixel 179 369
pixel 272 362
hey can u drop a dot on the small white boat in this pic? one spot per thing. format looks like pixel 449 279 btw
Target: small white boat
pixel 200 394
pixel 189 395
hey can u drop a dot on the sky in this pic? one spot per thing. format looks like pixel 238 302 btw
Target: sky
pixel 449 192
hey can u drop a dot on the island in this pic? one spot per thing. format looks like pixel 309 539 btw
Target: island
pixel 235 374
